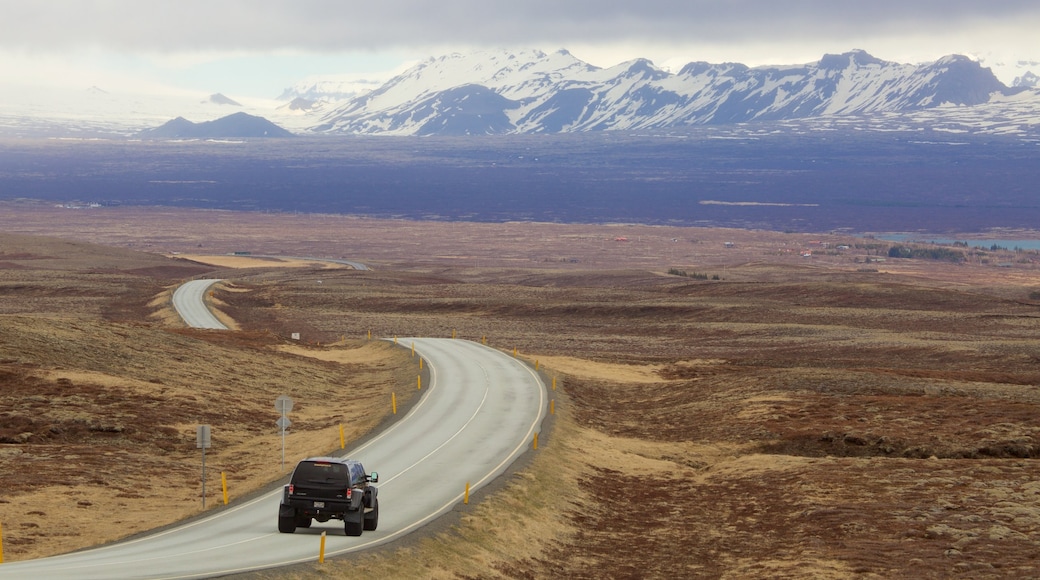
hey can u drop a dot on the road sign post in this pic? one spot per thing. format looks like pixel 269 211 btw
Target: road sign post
pixel 203 441
pixel 283 404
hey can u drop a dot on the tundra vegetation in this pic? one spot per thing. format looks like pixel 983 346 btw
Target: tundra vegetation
pixel 799 417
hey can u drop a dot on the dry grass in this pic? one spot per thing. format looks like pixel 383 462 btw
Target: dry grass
pixel 800 419
pixel 101 414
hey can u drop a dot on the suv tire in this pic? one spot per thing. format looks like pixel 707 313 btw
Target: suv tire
pixel 372 518
pixel 287 525
pixel 354 528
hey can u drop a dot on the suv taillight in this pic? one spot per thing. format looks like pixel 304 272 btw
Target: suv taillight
pixel 349 491
pixel 292 488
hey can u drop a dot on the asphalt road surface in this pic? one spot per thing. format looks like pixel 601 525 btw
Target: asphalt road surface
pixel 351 263
pixel 479 413
pixel 189 301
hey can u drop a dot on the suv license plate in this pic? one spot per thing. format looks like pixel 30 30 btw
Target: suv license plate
pixel 319 504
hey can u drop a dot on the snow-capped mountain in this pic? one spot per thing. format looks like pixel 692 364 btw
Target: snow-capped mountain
pixel 529 91
pixel 1014 72
pixel 329 88
pixel 1028 79
pixel 534 92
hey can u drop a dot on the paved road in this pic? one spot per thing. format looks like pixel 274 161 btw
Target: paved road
pixel 478 415
pixel 189 301
pixel 351 263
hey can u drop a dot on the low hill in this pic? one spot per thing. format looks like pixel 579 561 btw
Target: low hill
pixel 101 388
pixel 234 126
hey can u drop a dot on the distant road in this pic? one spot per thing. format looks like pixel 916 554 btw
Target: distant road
pixel 189 300
pixel 351 263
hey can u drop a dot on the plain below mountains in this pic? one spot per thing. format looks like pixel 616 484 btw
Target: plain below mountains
pixel 234 126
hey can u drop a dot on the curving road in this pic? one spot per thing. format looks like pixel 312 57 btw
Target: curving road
pixel 351 263
pixel 189 301
pixel 479 413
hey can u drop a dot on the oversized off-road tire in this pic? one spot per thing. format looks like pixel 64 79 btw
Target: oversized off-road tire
pixel 354 528
pixel 286 524
pixel 372 518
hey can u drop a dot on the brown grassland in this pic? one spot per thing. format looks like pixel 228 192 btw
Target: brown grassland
pixel 797 417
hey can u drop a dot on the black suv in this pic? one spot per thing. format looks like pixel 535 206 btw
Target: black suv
pixel 325 488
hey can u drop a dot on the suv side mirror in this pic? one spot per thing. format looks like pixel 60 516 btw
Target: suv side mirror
pixel 374 477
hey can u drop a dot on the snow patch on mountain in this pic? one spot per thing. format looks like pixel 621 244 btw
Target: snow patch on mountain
pixel 530 91
pixel 330 88
pixel 1028 80
pixel 491 92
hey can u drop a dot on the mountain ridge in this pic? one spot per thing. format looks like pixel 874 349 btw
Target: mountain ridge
pixel 236 125
pixel 496 92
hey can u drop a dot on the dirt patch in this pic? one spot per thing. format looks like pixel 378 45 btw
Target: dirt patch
pixel 258 262
pixel 602 371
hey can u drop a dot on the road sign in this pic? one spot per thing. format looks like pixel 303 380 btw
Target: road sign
pixel 283 404
pixel 202 438
pixel 202 441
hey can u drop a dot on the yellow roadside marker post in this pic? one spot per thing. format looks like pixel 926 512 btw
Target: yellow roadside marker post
pixel 418 382
pixel 321 550
pixel 453 333
pixel 535 441
pixel 554 383
pixel 393 402
pixel 552 406
pixel 420 363
pixel 223 485
pixel 535 364
pixel 413 350
pixel 465 499
pixel 342 440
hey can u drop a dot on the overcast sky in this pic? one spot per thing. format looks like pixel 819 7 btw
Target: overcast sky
pixel 258 47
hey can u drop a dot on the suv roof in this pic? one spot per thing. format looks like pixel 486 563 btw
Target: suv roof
pixel 324 459
pixel 341 468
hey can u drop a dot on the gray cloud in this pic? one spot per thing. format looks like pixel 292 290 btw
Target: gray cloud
pixel 333 25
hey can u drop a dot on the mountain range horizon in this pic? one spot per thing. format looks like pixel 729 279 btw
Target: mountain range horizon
pixel 1022 73
pixel 496 92
pixel 531 91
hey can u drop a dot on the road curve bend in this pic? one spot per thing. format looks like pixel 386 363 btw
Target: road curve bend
pixel 479 413
pixel 189 300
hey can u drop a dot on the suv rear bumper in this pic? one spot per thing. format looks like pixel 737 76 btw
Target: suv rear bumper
pixel 317 507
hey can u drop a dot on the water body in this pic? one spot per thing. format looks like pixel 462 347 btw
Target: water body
pixel 983 244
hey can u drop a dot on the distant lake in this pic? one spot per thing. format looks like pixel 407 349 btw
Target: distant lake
pixel 985 244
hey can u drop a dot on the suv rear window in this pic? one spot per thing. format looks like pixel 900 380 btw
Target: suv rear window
pixel 321 472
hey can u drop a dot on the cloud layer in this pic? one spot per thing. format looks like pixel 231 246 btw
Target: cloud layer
pixel 340 25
